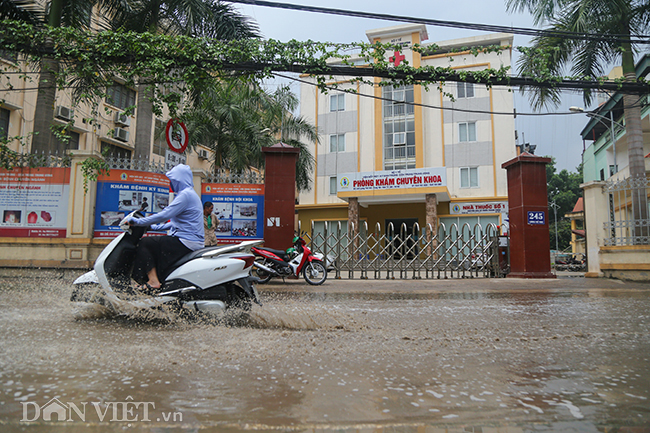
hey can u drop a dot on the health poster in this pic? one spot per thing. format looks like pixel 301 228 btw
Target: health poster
pixel 123 191
pixel 34 202
pixel 239 209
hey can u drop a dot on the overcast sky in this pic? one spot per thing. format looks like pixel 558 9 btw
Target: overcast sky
pixel 557 136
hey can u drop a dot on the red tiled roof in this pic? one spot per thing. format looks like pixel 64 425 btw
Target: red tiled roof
pixel 579 207
pixel 579 232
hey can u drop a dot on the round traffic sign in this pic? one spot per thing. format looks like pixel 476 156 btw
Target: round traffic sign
pixel 177 136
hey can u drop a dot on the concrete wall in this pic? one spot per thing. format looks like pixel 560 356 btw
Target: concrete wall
pixel 78 250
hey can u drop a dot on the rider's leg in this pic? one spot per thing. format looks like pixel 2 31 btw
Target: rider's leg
pixel 153 282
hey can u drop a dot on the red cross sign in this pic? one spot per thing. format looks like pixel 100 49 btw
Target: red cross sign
pixel 397 58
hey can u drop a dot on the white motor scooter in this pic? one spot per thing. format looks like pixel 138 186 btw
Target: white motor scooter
pixel 210 280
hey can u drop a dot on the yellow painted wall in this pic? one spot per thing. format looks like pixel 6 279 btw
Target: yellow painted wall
pixel 329 213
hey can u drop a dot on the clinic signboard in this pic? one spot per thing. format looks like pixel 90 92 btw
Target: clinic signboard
pixel 34 202
pixel 239 209
pixel 393 179
pixel 123 191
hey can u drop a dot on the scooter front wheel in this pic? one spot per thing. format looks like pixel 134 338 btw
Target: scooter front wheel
pixel 315 273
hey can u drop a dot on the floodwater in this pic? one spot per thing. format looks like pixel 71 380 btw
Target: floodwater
pixel 348 356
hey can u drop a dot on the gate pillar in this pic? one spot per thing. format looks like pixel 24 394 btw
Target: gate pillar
pixel 279 195
pixel 530 245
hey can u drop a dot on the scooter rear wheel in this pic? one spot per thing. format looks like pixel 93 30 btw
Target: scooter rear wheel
pixel 315 273
pixel 237 298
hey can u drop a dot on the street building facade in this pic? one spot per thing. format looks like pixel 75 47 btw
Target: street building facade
pixel 407 155
pixel 606 157
pixel 110 129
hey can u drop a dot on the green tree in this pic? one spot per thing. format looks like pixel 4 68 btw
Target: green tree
pixel 196 18
pixel 616 19
pixel 564 190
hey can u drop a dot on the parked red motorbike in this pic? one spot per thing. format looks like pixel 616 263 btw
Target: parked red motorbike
pixel 271 263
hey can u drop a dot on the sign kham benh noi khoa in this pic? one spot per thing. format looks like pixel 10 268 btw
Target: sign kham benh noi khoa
pixel 239 209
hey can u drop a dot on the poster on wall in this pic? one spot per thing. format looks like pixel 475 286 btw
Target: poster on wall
pixel 239 209
pixel 34 202
pixel 123 191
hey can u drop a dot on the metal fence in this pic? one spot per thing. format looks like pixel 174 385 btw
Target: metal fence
pixel 115 162
pixel 628 223
pixel 11 159
pixel 403 252
pixel 226 176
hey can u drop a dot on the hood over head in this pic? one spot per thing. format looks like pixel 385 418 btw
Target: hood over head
pixel 180 177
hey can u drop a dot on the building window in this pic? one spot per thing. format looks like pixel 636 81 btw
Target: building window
pixel 602 174
pixel 612 170
pixel 4 123
pixel 337 143
pixel 337 102
pixel 469 177
pixel 333 185
pixel 465 90
pixel 120 96
pixel 466 131
pixel 115 151
pixel 159 139
pixel 399 128
pixel 71 144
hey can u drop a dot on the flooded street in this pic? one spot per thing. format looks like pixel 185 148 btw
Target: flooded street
pixel 479 355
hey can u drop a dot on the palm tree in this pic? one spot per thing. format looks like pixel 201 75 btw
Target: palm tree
pixel 236 118
pixel 21 10
pixel 616 21
pixel 198 18
pixel 294 131
pixel 227 119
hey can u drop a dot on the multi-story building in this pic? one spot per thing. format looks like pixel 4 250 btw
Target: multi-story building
pixel 407 155
pixel 106 129
pixel 607 155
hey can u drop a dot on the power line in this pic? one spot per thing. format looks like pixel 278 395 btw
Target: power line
pixel 415 104
pixel 440 76
pixel 634 39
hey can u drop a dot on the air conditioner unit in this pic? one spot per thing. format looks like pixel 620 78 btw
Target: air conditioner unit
pixel 399 138
pixel 122 119
pixel 203 154
pixel 121 134
pixel 64 113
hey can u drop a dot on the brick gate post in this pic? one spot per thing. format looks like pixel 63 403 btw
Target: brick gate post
pixel 279 195
pixel 530 245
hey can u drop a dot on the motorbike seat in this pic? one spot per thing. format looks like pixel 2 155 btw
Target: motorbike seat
pixel 280 253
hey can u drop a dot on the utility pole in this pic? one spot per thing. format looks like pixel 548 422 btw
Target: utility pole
pixel 555 206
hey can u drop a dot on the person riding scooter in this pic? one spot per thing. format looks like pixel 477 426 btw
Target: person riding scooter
pixel 155 254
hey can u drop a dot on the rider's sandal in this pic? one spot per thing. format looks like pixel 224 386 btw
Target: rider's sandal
pixel 148 289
